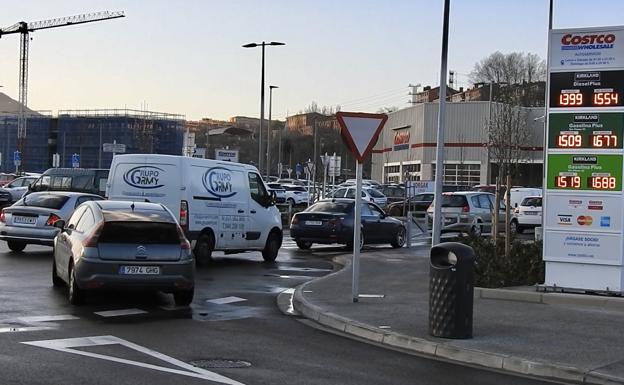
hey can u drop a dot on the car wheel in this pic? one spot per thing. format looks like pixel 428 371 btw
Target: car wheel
pixel 513 227
pixel 56 280
pixel 350 243
pixel 399 238
pixel 203 249
pixel 16 246
pixel 271 248
pixel 74 294
pixel 304 245
pixel 183 297
pixel 476 230
pixel 291 202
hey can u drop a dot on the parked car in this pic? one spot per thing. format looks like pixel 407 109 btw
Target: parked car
pixel 87 180
pixel 295 195
pixel 280 192
pixel 368 194
pixel 123 245
pixel 30 221
pixel 6 178
pixel 467 211
pixel 528 215
pixel 368 182
pixel 297 182
pixel 419 203
pixel 331 221
pixel 222 206
pixel 393 192
pixel 15 189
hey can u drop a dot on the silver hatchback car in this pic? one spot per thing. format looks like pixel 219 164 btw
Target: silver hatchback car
pixel 123 245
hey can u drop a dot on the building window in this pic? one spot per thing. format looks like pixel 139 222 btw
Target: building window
pixel 393 169
pixel 461 174
pixel 411 168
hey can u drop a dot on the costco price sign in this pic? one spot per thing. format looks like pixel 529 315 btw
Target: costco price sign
pixel 583 210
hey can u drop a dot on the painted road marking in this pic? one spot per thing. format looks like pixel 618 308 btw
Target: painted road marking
pixel 47 318
pixel 118 313
pixel 15 329
pixel 225 300
pixel 67 346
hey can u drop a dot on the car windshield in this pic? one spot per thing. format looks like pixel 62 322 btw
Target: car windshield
pixel 374 193
pixel 295 188
pixel 140 233
pixel 533 201
pixel 331 207
pixel 454 201
pixel 47 201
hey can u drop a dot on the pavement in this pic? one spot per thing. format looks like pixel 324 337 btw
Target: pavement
pixel 573 338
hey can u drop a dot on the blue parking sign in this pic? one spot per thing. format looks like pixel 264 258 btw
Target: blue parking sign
pixel 17 158
pixel 75 160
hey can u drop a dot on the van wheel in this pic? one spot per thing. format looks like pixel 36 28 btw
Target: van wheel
pixel 184 297
pixel 16 246
pixel 271 249
pixel 203 249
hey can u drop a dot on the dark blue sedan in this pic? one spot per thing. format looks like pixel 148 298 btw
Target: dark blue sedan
pixel 331 221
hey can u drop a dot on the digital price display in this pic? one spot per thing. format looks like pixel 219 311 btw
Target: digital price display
pixel 586 131
pixel 589 172
pixel 586 89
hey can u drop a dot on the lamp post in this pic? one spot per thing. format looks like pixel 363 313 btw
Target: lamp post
pixel 269 132
pixel 253 45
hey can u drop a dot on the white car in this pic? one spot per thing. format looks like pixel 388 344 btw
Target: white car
pixel 280 193
pixel 528 215
pixel 369 194
pixel 14 190
pixel 295 195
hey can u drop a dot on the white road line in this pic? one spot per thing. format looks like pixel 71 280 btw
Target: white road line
pixel 47 318
pixel 13 329
pixel 226 300
pixel 118 313
pixel 68 346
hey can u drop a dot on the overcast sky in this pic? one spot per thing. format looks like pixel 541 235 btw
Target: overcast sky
pixel 185 57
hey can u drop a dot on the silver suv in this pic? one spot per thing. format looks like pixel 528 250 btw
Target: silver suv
pixel 467 211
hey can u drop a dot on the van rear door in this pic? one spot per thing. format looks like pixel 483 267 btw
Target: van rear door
pixel 147 178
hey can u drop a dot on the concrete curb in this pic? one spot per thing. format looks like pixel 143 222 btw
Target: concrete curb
pixel 446 351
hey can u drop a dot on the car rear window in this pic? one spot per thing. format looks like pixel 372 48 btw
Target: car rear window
pixel 54 202
pixel 331 207
pixel 146 233
pixel 454 201
pixel 535 202
pixel 374 193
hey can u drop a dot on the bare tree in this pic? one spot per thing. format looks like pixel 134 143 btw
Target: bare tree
pixel 511 68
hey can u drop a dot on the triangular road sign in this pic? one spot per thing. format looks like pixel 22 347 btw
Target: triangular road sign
pixel 71 345
pixel 360 131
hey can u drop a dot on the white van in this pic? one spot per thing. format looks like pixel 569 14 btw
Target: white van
pixel 220 205
pixel 519 193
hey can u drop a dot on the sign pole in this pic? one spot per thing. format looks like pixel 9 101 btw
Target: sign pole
pixel 325 165
pixel 357 224
pixel 334 173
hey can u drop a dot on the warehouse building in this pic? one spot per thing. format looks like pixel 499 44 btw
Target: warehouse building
pixel 406 149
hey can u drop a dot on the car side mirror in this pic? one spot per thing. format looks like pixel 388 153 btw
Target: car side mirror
pixel 60 224
pixel 516 204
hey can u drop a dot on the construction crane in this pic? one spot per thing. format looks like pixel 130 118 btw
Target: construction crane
pixel 24 29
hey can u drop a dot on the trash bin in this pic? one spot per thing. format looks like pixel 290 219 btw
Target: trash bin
pixel 451 288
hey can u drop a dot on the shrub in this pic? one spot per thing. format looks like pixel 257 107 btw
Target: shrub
pixel 524 265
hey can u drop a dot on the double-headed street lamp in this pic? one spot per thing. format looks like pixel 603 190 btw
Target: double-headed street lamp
pixel 253 45
pixel 269 134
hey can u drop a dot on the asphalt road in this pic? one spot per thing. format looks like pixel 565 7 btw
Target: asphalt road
pixel 233 329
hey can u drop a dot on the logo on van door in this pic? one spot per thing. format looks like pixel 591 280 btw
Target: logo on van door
pixel 145 177
pixel 218 182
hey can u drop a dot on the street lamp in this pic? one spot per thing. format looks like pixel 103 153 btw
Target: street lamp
pixel 253 45
pixel 269 132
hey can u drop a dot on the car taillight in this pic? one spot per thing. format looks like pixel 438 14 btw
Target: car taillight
pixel 2 218
pixel 52 219
pixel 294 220
pixel 333 222
pixel 184 215
pixel 92 239
pixel 466 209
pixel 184 243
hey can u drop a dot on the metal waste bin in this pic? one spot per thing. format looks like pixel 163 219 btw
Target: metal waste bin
pixel 451 290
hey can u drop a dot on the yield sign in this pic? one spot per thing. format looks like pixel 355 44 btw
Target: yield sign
pixel 360 131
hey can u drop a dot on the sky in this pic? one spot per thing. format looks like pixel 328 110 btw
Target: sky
pixel 185 57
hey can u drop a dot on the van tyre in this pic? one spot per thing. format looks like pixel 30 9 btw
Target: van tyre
pixel 271 249
pixel 399 238
pixel 56 280
pixel 16 246
pixel 75 295
pixel 203 249
pixel 183 297
pixel 304 245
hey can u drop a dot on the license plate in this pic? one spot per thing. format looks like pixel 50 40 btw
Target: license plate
pixel 314 223
pixel 530 213
pixel 24 220
pixel 139 270
pixel 448 220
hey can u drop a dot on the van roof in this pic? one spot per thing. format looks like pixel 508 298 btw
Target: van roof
pixel 185 158
pixel 73 171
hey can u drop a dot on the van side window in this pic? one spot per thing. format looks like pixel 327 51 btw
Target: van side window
pixel 256 188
